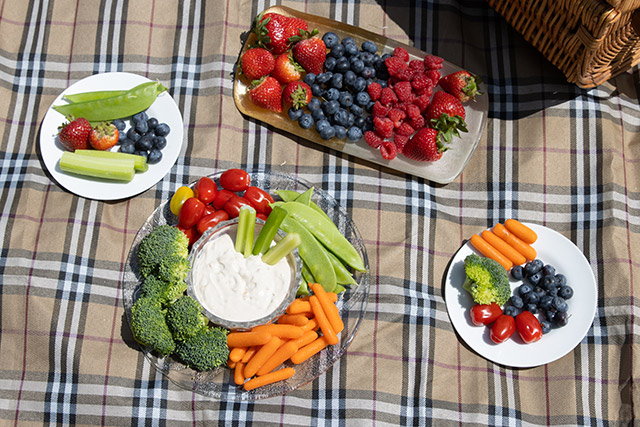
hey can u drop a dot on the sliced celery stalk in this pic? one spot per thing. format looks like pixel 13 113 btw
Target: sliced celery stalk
pixel 246 227
pixel 114 169
pixel 282 248
pixel 140 162
pixel 269 230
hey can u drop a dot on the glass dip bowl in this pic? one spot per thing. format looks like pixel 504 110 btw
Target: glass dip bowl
pixel 210 237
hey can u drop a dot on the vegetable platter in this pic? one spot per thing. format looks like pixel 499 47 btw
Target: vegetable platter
pixel 219 383
pixel 552 248
pixel 164 109
pixel 444 170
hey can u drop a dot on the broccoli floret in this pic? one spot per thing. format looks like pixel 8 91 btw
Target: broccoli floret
pixel 163 291
pixel 486 280
pixel 149 326
pixel 206 350
pixel 160 250
pixel 185 318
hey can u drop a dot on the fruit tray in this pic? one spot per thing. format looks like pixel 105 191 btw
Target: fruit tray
pixel 442 171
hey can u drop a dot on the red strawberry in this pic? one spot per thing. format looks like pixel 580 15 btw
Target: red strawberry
pixel 374 89
pixel 310 51
pixel 275 30
pixel 104 136
pixel 388 150
pixel 383 126
pixel 403 91
pixel 401 53
pixel 461 84
pixel 388 96
pixel 424 146
pixel 296 95
pixel 372 139
pixel 432 62
pixel 395 65
pixel 444 103
pixel 286 70
pixel 256 63
pixel 267 93
pixel 74 135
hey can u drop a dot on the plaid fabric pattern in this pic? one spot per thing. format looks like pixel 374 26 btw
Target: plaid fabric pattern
pixel 552 154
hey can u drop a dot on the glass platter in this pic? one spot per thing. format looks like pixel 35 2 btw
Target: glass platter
pixel 442 171
pixel 218 384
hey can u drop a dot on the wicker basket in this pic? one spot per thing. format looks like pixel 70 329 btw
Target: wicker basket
pixel 590 41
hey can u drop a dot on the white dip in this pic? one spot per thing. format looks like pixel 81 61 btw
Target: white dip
pixel 236 288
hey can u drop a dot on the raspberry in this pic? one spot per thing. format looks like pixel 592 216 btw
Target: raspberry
pixel 372 139
pixel 374 89
pixel 400 141
pixel 388 96
pixel 417 122
pixel 416 64
pixel 395 65
pixel 406 75
pixel 396 116
pixel 388 150
pixel 380 110
pixel 405 129
pixel 432 62
pixel 422 102
pixel 401 53
pixel 413 111
pixel 383 126
pixel 434 75
pixel 421 81
pixel 403 91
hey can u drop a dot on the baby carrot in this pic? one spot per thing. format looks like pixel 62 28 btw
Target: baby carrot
pixel 270 378
pixel 231 364
pixel 517 244
pixel 279 357
pixel 323 321
pixel 249 353
pixel 329 308
pixel 280 331
pixel 523 232
pixel 238 373
pixel 249 338
pixel 311 325
pixel 306 338
pixel 261 356
pixel 503 247
pixel 293 319
pixel 333 297
pixel 298 306
pixel 309 350
pixel 236 353
pixel 490 252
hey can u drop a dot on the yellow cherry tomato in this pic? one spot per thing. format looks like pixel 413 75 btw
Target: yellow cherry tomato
pixel 179 197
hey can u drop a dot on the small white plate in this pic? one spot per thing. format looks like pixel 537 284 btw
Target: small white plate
pixel 552 248
pixel 164 109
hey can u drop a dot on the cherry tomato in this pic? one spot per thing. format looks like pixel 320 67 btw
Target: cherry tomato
pixel 233 205
pixel 259 199
pixel 235 180
pixel 528 327
pixel 205 190
pixel 190 213
pixel 503 328
pixel 211 220
pixel 208 210
pixel 179 197
pixel 221 198
pixel 485 314
pixel 191 233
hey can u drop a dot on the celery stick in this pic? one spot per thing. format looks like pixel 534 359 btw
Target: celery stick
pixel 269 230
pixel 246 225
pixel 248 238
pixel 140 162
pixel 113 169
pixel 282 248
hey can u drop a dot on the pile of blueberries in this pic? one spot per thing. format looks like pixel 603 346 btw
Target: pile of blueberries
pixel 544 291
pixel 340 92
pixel 145 137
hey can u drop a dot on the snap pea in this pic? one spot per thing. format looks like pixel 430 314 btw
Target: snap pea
pixel 92 96
pixel 343 276
pixel 312 253
pixel 305 198
pixel 307 276
pixel 133 101
pixel 326 232
pixel 291 196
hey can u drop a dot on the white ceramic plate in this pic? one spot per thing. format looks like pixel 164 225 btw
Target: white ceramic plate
pixel 552 248
pixel 164 109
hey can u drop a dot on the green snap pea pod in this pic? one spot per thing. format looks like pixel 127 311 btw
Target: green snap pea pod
pixel 133 101
pixel 92 96
pixel 291 196
pixel 303 289
pixel 326 232
pixel 305 198
pixel 343 276
pixel 339 288
pixel 312 253
pixel 307 276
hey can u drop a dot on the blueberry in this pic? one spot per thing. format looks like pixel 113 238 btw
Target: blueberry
pixel 318 115
pixel 332 94
pixel 561 280
pixel 368 72
pixel 516 272
pixel 133 135
pixel 357 66
pixel 511 311
pixel 550 315
pixel 295 113
pixel 144 143
pixel 367 58
pixel 309 78
pixel 532 267
pixel 381 82
pixel 560 304
pixel 321 124
pixel 354 133
pixel 154 156
pixel 369 46
pixel 553 291
pixel 546 302
pixel 341 131
pixel 349 78
pixel 330 39
pixel 368 123
pixel 327 132
pixel 162 129
pixel 359 121
pixel 121 136
pixel 119 124
pixel 541 292
pixel 159 142
pixel 357 110
pixel 317 90
pixel 152 122
pixel 140 117
pixel 566 292
pixel 524 289
pixel 342 66
pixel 532 308
pixel 336 81
pixel 546 326
pixel 362 98
pixel 337 51
pixel 305 121
pixel 385 56
pixel 351 49
pixel 535 278
pixel 330 107
pixel 348 40
pixel 561 318
pixel 548 270
pixel 346 99
pixel 314 104
pixel 531 298
pixel 548 282
pixel 143 153
pixel 323 78
pixel 330 63
pixel 127 147
pixel 360 84
pixel 341 117
pixel 516 301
